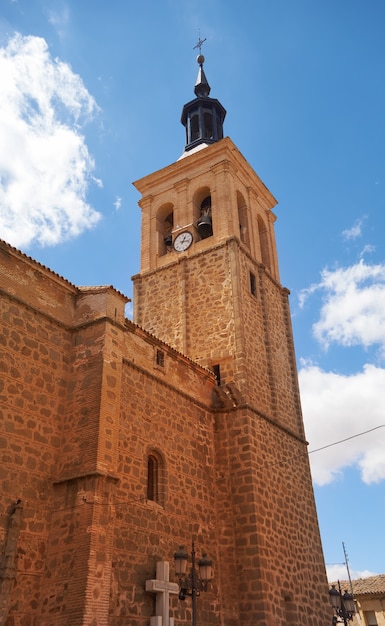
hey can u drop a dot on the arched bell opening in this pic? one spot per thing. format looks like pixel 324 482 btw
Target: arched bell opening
pixel 264 242
pixel 243 220
pixel 205 223
pixel 203 124
pixel 202 217
pixel 194 129
pixel 208 131
pixel 165 223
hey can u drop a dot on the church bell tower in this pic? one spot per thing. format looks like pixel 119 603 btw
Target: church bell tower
pixel 209 287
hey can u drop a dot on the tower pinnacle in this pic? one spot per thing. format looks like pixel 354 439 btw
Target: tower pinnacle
pixel 202 88
pixel 202 117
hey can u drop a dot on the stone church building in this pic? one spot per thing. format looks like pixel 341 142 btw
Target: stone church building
pixel 121 441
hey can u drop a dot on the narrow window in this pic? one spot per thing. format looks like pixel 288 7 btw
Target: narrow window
pixel 253 284
pixel 194 127
pixel 219 129
pixel 290 612
pixel 152 478
pixel 370 618
pixel 160 358
pixel 208 126
pixel 217 372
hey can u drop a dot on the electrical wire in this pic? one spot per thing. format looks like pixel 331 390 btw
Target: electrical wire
pixel 335 443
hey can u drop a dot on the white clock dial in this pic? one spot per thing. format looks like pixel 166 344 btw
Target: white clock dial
pixel 183 241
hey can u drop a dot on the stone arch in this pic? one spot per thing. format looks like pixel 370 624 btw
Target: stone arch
pixel 164 226
pixel 243 219
pixel 264 242
pixel 203 212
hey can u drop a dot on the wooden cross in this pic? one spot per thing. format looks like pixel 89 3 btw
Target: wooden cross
pixel 162 587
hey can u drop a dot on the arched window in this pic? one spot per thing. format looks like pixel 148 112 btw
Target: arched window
pixel 155 477
pixel 152 478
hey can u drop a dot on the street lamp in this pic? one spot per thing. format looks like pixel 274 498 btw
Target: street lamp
pixel 192 583
pixel 343 605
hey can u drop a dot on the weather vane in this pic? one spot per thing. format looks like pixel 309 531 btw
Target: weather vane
pixel 200 43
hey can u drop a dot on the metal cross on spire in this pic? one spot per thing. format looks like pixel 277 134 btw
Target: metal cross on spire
pixel 200 43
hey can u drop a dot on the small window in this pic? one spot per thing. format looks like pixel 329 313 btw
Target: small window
pixel 290 612
pixel 156 486
pixel 217 372
pixel 160 358
pixel 370 618
pixel 153 478
pixel 253 284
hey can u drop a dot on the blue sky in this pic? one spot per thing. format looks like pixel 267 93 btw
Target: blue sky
pixel 91 99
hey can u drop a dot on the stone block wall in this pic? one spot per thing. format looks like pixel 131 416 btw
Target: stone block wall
pixel 270 516
pixel 33 387
pixel 86 396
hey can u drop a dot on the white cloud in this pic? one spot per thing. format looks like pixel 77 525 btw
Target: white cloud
pixel 353 232
pixel 353 308
pixel 367 249
pixel 118 203
pixel 45 166
pixel 59 19
pixel 339 572
pixel 336 407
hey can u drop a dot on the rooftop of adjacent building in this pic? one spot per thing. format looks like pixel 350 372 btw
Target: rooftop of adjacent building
pixel 373 585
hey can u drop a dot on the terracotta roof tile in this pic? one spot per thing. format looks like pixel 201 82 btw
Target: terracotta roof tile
pixel 365 586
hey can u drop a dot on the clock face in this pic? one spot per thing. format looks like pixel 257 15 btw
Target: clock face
pixel 183 241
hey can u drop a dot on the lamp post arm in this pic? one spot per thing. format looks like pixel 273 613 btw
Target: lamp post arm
pixel 195 581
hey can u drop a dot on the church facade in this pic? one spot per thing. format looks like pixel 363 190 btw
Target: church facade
pixel 123 440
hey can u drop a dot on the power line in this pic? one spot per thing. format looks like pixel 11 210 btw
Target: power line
pixel 335 443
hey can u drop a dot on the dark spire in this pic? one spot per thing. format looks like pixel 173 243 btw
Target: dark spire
pixel 202 88
pixel 203 117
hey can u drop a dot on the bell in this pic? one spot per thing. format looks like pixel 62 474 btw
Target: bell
pixel 168 240
pixel 205 227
